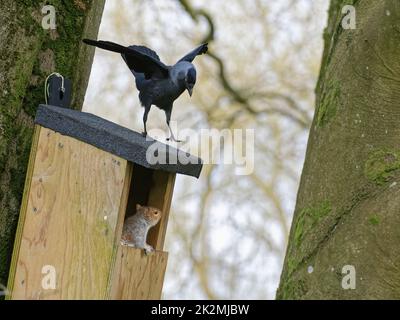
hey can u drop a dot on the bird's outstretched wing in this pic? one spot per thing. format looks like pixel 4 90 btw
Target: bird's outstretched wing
pixel 138 58
pixel 198 51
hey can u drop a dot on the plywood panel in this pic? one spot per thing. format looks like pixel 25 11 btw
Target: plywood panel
pixel 24 203
pixel 138 276
pixel 160 197
pixel 72 218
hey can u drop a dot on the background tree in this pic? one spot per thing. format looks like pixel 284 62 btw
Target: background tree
pixel 227 233
pixel 347 210
pixel 28 55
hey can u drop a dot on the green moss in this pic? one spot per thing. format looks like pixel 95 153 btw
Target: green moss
pixel 70 23
pixel 328 104
pixel 309 217
pixel 22 72
pixel 18 58
pixel 20 96
pixel 374 220
pixel 292 264
pixel 382 165
pixel 300 229
pixel 292 290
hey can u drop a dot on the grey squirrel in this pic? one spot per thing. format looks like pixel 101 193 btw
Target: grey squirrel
pixel 136 227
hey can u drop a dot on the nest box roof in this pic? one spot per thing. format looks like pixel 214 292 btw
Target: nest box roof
pixel 118 140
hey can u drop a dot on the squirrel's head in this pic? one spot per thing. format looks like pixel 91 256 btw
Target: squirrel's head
pixel 150 214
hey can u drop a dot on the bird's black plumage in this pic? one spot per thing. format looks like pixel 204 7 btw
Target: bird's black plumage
pixel 158 84
pixel 192 54
pixel 138 58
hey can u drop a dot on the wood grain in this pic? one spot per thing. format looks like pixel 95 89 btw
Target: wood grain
pixel 70 220
pixel 160 197
pixel 137 276
pixel 120 224
pixel 22 213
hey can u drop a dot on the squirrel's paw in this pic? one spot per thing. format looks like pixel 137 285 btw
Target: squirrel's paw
pixel 127 243
pixel 148 250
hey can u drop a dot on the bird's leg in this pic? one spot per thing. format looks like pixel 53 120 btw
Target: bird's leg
pixel 146 112
pixel 171 137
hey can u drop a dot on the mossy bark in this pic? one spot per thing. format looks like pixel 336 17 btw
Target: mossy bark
pixel 28 55
pixel 348 208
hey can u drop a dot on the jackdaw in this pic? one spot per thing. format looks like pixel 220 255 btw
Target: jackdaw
pixel 158 84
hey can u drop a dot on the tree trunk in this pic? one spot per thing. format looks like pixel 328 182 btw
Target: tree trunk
pixel 348 208
pixel 28 55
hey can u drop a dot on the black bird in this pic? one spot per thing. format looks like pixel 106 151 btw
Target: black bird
pixel 158 84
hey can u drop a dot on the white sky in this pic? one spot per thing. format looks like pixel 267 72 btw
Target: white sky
pixel 119 103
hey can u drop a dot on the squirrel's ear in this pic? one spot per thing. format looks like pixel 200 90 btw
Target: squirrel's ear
pixel 138 206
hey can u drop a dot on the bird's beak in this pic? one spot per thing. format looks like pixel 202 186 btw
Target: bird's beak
pixel 190 90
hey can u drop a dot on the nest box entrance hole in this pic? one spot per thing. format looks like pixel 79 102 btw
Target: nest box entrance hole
pixel 152 188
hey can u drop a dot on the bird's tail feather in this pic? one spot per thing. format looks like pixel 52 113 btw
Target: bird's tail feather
pixel 107 45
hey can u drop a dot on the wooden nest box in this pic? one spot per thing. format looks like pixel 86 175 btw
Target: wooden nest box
pixel 85 175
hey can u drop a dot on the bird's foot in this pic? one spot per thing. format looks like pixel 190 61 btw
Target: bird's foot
pixel 144 134
pixel 173 139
